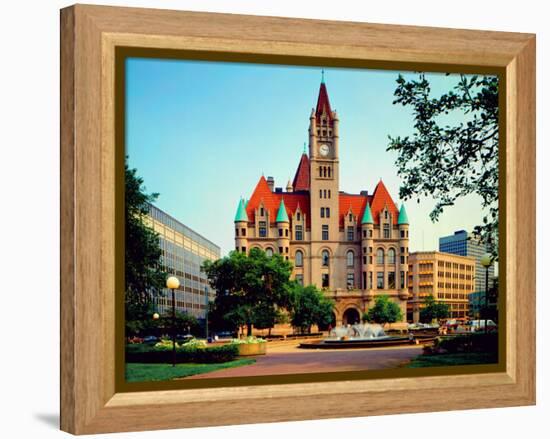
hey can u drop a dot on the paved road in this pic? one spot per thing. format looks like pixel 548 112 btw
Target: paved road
pixel 289 360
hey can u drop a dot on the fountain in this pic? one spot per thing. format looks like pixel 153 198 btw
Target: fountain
pixel 360 335
pixel 365 331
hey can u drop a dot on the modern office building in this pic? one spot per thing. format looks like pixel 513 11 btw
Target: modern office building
pixel 465 244
pixel 477 299
pixel 353 246
pixel 183 252
pixel 448 278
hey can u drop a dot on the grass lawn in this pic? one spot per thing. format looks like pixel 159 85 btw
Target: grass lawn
pixel 452 360
pixel 136 372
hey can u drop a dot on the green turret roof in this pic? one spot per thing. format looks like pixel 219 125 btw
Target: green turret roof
pixel 403 219
pixel 282 217
pixel 367 216
pixel 241 212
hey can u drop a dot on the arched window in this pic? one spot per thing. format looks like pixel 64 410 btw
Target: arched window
pixel 299 258
pixel 349 258
pixel 325 258
pixel 329 172
pixel 269 252
pixel 379 256
pixel 391 256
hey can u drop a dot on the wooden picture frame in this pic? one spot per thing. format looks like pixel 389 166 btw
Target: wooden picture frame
pixel 90 36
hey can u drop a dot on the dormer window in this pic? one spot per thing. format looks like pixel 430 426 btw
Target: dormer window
pixel 262 229
pixel 298 216
pixel 261 211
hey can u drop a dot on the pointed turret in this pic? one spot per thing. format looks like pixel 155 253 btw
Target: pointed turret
pixel 241 215
pixel 403 219
pixel 323 104
pixel 282 216
pixel 289 186
pixel 367 216
pixel 301 179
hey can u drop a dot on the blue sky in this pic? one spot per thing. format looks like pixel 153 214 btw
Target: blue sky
pixel 202 133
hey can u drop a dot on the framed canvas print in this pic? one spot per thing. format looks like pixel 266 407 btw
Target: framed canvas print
pixel 278 217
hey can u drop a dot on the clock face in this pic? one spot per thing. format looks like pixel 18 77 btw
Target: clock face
pixel 324 150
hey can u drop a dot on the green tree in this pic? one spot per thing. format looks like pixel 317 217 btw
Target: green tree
pixel 309 306
pixel 248 285
pixel 447 162
pixel 143 270
pixel 433 310
pixel 184 323
pixel 384 311
pixel 265 317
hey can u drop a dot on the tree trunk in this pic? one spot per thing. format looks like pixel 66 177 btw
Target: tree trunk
pixel 248 329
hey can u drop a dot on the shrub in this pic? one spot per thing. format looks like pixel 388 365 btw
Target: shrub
pixel 184 354
pixel 479 343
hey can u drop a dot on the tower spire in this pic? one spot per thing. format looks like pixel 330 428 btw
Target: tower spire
pixel 322 76
pixel 304 148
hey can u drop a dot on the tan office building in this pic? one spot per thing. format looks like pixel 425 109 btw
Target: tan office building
pixel 353 246
pixel 448 277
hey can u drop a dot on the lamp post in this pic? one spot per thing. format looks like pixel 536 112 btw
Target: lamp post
pixel 486 260
pixel 172 283
pixel 206 312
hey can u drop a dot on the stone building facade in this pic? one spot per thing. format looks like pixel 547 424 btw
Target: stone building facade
pixel 353 246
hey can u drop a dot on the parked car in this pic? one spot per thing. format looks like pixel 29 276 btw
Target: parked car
pixel 150 339
pixel 479 325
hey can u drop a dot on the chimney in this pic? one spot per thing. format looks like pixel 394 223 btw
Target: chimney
pixel 364 193
pixel 271 183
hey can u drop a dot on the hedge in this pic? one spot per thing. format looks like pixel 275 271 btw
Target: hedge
pixel 481 343
pixel 139 353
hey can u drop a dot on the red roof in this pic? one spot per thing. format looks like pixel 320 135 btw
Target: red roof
pixel 301 179
pixel 271 201
pixel 323 104
pixel 357 203
pixel 378 200
pixel 381 198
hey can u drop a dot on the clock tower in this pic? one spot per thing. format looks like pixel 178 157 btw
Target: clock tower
pixel 324 179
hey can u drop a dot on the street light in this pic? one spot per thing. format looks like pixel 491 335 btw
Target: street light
pixel 206 314
pixel 156 316
pixel 486 260
pixel 173 283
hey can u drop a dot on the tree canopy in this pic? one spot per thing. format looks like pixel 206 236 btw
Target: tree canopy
pixel 144 276
pixel 248 286
pixel 448 161
pixel 383 311
pixel 309 306
pixel 433 310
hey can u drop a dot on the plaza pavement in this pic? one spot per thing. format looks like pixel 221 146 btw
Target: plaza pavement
pixel 287 358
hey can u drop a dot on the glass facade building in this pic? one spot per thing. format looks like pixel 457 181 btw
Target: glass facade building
pixel 183 252
pixel 464 244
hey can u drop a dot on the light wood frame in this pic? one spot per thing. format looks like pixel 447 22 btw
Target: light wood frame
pixel 89 36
